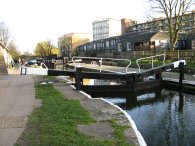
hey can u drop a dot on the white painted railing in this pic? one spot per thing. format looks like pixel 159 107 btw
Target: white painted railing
pixel 43 65
pixel 152 59
pixel 97 64
pixel 39 70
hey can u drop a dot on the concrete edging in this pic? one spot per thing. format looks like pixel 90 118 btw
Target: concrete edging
pixel 134 127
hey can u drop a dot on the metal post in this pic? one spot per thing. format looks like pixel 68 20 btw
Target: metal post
pixel 78 78
pixel 21 70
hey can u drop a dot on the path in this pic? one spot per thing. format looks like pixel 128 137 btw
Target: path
pixel 17 96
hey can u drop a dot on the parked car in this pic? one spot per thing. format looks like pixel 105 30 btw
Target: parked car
pixel 31 62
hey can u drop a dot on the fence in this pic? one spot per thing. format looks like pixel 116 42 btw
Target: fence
pixel 188 55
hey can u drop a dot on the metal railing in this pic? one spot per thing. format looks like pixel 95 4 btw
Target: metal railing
pixel 152 59
pixel 43 65
pixel 98 62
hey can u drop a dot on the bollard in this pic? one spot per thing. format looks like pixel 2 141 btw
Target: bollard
pixel 78 78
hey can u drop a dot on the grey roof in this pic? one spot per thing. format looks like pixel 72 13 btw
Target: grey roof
pixel 145 36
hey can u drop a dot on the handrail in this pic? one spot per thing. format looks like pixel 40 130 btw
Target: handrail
pixel 75 58
pixel 79 59
pixel 138 60
pixel 43 64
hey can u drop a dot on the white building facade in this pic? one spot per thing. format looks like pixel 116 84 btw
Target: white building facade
pixel 105 28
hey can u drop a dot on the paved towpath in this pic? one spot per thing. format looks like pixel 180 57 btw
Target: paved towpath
pixel 17 95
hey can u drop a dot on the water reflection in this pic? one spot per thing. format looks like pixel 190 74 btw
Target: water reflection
pixel 164 117
pixel 181 101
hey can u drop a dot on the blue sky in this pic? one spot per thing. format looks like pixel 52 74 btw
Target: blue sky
pixel 31 21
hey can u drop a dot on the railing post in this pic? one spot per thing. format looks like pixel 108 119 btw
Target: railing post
pixel 78 78
pixel 181 74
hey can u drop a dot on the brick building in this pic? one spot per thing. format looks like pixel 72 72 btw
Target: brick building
pixel 69 42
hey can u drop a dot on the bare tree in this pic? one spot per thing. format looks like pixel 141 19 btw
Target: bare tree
pixel 174 12
pixel 4 34
pixel 13 50
pixel 64 44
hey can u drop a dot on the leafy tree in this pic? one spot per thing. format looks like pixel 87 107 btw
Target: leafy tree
pixel 45 48
pixel 174 12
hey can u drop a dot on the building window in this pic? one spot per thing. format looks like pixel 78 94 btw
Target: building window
pixel 128 46
pixel 107 44
pixel 119 47
pixel 111 43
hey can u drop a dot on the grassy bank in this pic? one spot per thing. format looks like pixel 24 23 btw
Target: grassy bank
pixel 55 123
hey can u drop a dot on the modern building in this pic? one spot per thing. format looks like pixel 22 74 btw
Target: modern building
pixel 69 42
pixel 160 24
pixel 106 28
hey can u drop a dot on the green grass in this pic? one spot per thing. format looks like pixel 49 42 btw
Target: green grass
pixel 119 133
pixel 55 123
pixel 190 65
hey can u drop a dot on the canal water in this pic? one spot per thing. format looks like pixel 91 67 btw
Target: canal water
pixel 163 117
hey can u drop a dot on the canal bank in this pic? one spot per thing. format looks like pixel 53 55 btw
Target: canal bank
pixel 102 111
pixel 95 106
pixel 163 119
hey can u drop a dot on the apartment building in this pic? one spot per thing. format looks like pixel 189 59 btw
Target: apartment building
pixel 105 28
pixel 126 24
pixel 160 24
pixel 69 42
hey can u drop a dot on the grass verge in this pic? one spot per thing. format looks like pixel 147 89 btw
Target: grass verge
pixel 55 123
